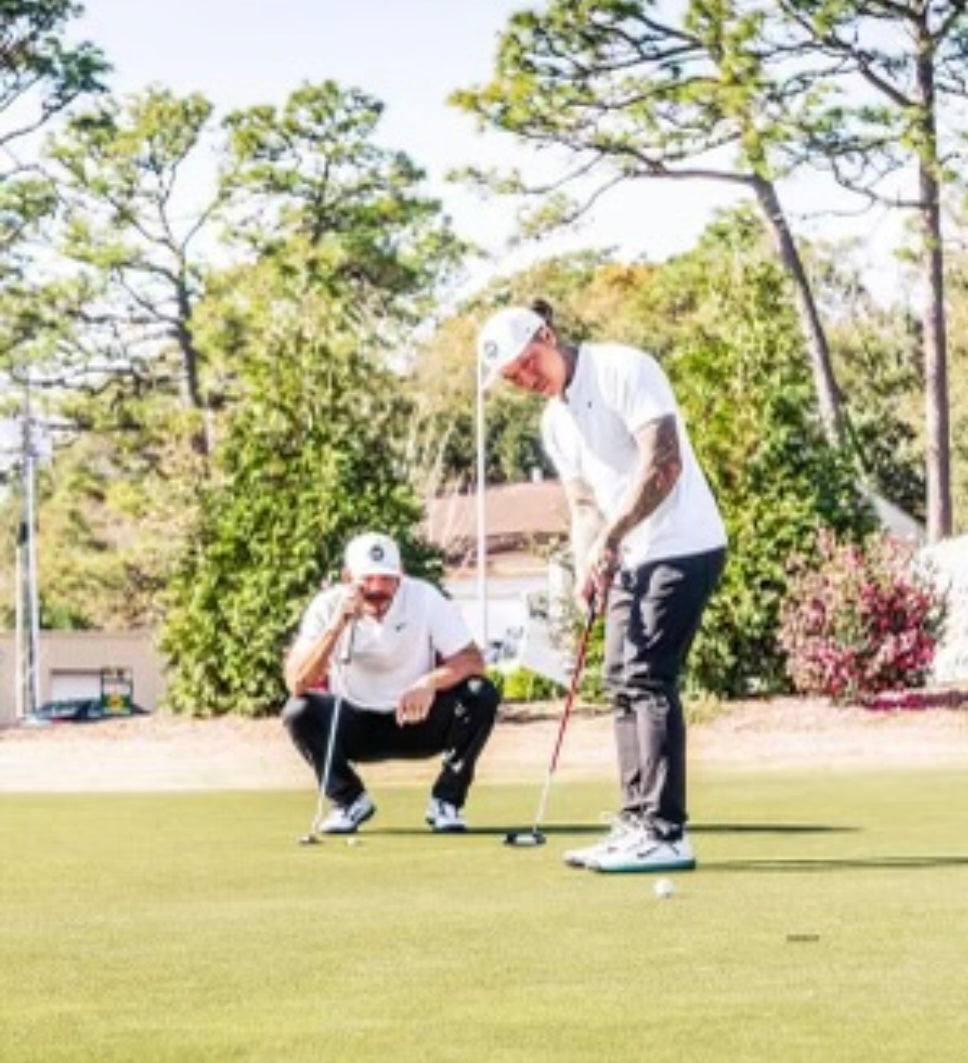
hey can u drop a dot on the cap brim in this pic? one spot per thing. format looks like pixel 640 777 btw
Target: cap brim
pixel 496 372
pixel 375 570
pixel 492 377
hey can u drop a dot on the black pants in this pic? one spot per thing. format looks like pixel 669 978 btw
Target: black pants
pixel 652 617
pixel 458 725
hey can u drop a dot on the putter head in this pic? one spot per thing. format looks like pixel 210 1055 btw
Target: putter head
pixel 524 838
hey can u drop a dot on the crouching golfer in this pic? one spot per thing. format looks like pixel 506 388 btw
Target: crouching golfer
pixel 403 678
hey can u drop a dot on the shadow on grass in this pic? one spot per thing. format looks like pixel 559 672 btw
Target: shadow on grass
pixel 768 828
pixel 601 828
pixel 874 863
pixel 478 832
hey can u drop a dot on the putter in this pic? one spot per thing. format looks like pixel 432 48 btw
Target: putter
pixel 533 837
pixel 312 838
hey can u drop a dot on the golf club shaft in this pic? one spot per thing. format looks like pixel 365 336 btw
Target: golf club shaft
pixel 573 686
pixel 327 764
pixel 344 659
pixel 539 815
pixel 330 743
pixel 566 713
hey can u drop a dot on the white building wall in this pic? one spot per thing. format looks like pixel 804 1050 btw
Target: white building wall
pixel 950 561
pixel 78 654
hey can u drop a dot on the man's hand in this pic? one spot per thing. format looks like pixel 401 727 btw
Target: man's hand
pixel 351 604
pixel 415 702
pixel 311 664
pixel 600 568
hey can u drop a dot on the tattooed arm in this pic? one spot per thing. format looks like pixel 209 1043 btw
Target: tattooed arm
pixel 658 470
pixel 660 464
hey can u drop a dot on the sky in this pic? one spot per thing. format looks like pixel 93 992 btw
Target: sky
pixel 411 54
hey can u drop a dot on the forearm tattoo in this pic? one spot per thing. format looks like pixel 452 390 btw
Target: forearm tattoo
pixel 660 464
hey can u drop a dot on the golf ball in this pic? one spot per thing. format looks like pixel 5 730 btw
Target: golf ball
pixel 352 841
pixel 664 888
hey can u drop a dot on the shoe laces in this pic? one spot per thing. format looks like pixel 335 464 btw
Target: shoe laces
pixel 618 823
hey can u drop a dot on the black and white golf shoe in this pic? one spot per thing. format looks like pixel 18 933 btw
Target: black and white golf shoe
pixel 346 819
pixel 444 818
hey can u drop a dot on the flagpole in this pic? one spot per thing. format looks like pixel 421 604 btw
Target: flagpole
pixel 481 508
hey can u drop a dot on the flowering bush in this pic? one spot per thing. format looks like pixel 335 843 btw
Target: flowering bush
pixel 860 620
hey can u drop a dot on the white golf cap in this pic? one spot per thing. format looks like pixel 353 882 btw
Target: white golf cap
pixel 372 554
pixel 504 336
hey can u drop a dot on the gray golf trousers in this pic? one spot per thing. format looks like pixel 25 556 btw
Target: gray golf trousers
pixel 652 615
pixel 458 725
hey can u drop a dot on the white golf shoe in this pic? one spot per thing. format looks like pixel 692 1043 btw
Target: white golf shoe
pixel 345 819
pixel 641 851
pixel 619 830
pixel 444 818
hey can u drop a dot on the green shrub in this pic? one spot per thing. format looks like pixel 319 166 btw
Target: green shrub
pixel 522 684
pixel 496 676
pixel 736 357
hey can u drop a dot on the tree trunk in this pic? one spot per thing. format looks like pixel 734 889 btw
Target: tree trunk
pixel 936 408
pixel 202 439
pixel 818 351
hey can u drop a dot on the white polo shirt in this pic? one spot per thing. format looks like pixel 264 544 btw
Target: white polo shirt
pixel 589 434
pixel 387 656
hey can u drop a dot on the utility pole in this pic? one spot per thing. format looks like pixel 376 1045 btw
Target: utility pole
pixel 20 699
pixel 28 598
pixel 30 519
pixel 24 443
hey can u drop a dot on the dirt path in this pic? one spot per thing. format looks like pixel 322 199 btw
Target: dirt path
pixel 164 753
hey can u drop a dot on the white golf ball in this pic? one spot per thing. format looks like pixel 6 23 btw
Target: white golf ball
pixel 664 888
pixel 352 841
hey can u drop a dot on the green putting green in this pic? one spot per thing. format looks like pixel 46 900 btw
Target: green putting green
pixel 826 922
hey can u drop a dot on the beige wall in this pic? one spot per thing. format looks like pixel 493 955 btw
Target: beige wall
pixel 85 651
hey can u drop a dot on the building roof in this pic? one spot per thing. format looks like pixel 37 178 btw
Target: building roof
pixel 517 519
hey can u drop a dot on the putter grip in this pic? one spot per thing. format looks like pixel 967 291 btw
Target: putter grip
pixel 583 647
pixel 347 651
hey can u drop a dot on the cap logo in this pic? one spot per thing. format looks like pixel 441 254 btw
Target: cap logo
pixel 490 350
pixel 376 552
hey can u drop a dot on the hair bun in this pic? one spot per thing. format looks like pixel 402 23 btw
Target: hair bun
pixel 544 310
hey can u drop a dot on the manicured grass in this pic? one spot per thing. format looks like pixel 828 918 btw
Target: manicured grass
pixel 827 922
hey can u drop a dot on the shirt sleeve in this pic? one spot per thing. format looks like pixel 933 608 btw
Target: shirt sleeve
pixel 636 387
pixel 449 633
pixel 556 444
pixel 319 613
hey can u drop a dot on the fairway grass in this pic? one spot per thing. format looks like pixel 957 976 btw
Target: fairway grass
pixel 828 920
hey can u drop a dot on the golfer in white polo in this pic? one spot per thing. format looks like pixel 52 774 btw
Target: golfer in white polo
pixel 648 541
pixel 391 661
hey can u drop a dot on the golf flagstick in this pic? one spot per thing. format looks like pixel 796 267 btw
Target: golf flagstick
pixel 534 836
